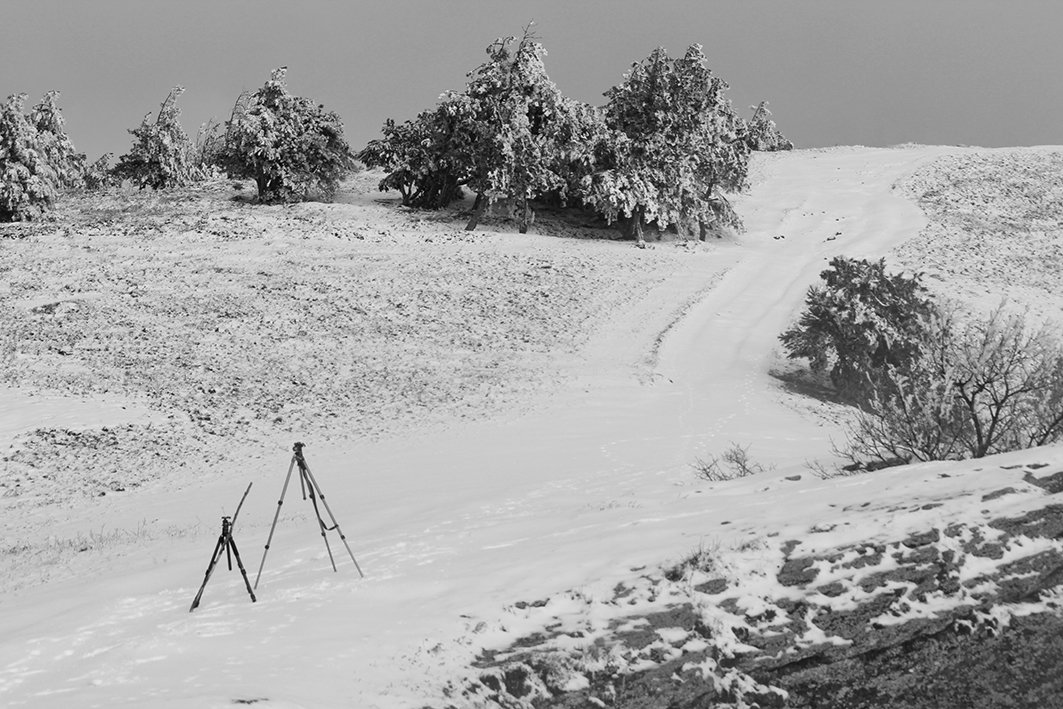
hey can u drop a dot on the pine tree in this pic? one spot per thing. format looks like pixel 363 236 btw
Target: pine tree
pixel 162 153
pixel 37 159
pixel 677 146
pixel 291 147
pixel 763 134
pixel 859 322
pixel 516 112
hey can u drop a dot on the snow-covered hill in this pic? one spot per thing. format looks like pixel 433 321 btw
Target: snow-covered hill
pixel 503 425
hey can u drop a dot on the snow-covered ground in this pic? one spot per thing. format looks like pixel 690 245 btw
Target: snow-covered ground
pixel 565 485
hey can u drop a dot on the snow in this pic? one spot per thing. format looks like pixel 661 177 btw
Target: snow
pixel 453 525
pixel 21 412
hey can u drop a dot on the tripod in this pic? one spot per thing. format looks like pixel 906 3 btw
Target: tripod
pixel 312 490
pixel 226 543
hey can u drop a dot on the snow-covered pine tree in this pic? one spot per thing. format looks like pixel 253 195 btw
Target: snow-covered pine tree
pixel 677 146
pixel 289 145
pixel 761 132
pixel 162 153
pixel 37 159
pixel 860 321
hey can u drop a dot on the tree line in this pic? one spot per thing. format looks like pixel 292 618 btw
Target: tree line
pixel 665 149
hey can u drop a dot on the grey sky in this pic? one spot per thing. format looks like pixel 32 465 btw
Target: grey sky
pixel 981 72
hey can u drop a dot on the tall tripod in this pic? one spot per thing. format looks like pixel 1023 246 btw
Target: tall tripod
pixel 226 543
pixel 312 490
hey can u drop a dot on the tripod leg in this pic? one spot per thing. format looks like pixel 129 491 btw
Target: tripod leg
pixel 303 472
pixel 210 569
pixel 335 525
pixel 240 564
pixel 276 516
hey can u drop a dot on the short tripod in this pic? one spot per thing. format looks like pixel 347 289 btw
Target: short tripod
pixel 312 490
pixel 226 543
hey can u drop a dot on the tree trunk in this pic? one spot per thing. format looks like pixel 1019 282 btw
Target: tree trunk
pixel 478 208
pixel 641 240
pixel 527 216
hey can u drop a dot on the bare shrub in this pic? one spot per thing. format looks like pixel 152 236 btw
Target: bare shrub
pixel 709 469
pixel 733 463
pixel 990 387
pixel 821 471
pixel 1009 382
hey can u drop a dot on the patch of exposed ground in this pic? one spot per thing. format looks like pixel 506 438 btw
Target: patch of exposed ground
pixel 918 621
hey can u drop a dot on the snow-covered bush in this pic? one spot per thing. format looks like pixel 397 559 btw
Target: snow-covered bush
pixel 290 146
pixel 37 158
pixel 859 322
pixel 928 388
pixel 162 154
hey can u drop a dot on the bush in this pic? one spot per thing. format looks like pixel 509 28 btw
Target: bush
pixel 860 322
pixel 991 387
pixel 734 463
pixel 37 158
pixel 291 147
pixel 162 154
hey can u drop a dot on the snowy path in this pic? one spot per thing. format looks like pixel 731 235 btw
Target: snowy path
pixel 453 527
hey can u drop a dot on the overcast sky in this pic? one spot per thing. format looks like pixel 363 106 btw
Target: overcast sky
pixel 835 72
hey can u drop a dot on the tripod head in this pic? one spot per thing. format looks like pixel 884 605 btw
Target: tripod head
pixel 298 448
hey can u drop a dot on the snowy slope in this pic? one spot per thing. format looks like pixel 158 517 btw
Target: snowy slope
pixel 454 526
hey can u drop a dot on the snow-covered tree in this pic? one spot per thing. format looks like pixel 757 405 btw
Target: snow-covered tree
pixel 290 146
pixel 761 132
pixel 510 135
pixel 678 146
pixel 429 158
pixel 859 322
pixel 58 150
pixel 37 158
pixel 162 154
pixel 517 112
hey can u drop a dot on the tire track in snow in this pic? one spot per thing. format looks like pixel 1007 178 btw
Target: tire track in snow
pixel 720 354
